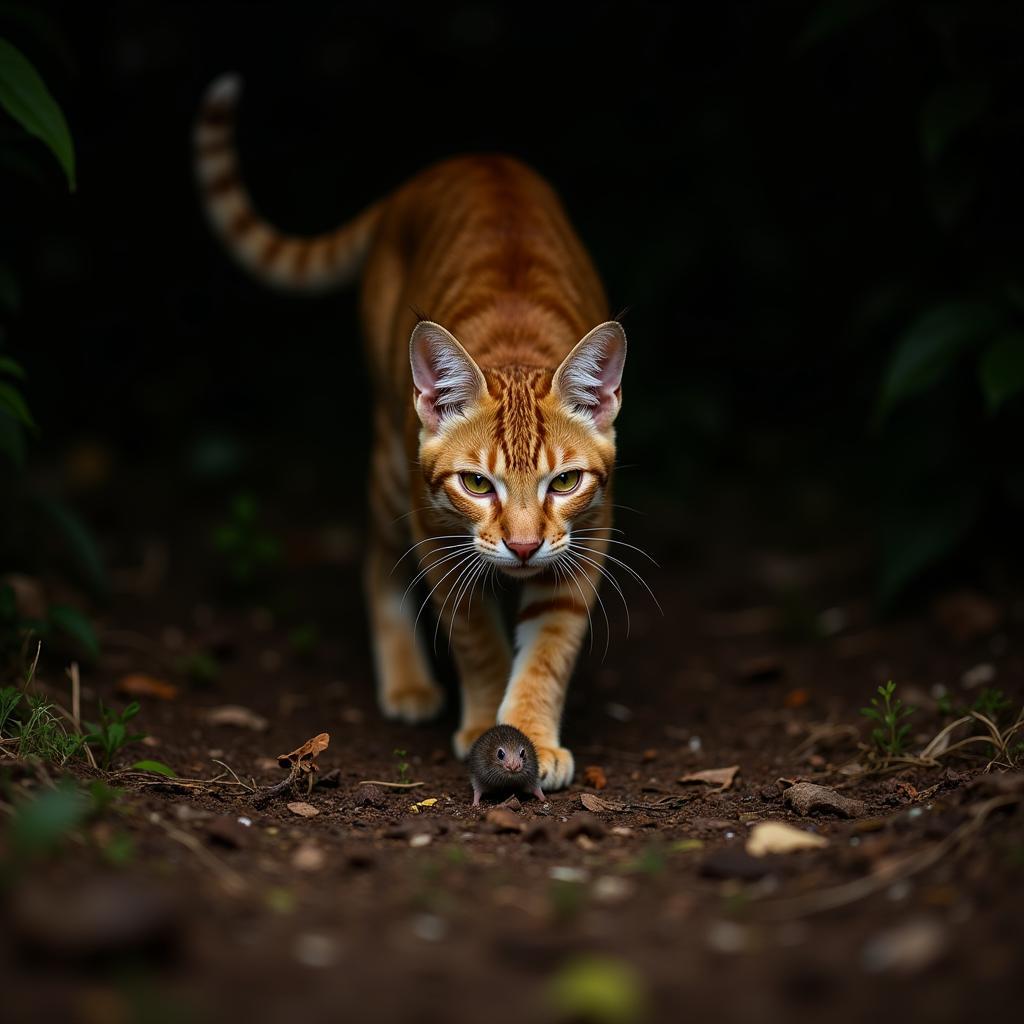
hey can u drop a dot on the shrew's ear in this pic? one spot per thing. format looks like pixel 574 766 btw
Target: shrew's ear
pixel 590 377
pixel 445 378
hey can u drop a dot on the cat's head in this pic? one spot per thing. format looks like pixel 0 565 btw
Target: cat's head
pixel 518 457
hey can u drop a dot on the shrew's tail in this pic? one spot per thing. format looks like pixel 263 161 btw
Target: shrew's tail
pixel 317 263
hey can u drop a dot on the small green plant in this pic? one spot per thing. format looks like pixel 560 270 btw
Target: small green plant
pixel 32 727
pixel 247 547
pixel 992 704
pixel 401 765
pixel 890 735
pixel 110 734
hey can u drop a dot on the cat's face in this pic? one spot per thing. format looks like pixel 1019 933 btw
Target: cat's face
pixel 520 458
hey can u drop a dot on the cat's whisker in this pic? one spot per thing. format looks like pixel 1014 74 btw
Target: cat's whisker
pixel 586 604
pixel 622 543
pixel 427 540
pixel 465 558
pixel 581 570
pixel 467 588
pixel 603 570
pixel 630 570
pixel 456 589
pixel 433 565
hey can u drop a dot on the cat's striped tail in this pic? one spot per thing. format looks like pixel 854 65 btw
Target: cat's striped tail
pixel 317 263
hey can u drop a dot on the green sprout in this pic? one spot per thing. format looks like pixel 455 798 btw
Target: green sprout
pixel 402 765
pixel 890 735
pixel 110 734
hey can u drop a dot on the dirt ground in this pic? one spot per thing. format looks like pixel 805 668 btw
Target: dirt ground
pixel 372 910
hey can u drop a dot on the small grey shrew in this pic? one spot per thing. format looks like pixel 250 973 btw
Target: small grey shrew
pixel 503 758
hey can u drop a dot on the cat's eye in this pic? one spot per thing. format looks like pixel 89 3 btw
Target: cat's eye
pixel 501 754
pixel 477 483
pixel 565 482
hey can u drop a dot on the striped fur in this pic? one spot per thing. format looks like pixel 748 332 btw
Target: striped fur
pixel 508 386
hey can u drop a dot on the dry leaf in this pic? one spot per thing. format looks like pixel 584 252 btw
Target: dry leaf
pixel 236 715
pixel 141 685
pixel 302 809
pixel 777 837
pixel 593 775
pixel 720 777
pixel 423 805
pixel 309 751
pixel 598 804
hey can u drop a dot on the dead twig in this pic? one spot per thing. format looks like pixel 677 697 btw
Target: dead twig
pixel 390 785
pixel 860 888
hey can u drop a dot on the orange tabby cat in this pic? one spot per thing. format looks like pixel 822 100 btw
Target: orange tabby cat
pixel 494 440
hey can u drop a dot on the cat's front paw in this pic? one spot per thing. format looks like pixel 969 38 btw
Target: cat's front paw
pixel 466 737
pixel 556 767
pixel 413 702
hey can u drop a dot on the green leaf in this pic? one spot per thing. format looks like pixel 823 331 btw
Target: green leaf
pixel 598 989
pixel 39 825
pixel 72 622
pixel 1002 369
pixel 11 400
pixel 80 543
pixel 929 348
pixel 832 17
pixel 25 97
pixel 948 111
pixel 12 368
pixel 155 766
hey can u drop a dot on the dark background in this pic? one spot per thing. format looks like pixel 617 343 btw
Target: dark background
pixel 778 192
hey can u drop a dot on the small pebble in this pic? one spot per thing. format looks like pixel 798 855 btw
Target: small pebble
pixel 429 927
pixel 420 840
pixel 568 874
pixel 316 950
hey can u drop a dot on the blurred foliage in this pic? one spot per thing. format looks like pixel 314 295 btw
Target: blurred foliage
pixel 23 94
pixel 598 990
pixel 34 526
pixel 248 550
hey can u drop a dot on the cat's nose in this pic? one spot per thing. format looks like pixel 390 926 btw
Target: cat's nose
pixel 523 548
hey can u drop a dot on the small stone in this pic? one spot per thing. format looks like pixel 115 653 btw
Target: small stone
pixel 612 889
pixel 732 862
pixel 303 810
pixel 316 950
pixel 583 823
pixel 429 927
pixel 308 857
pixel 537 832
pixel 766 668
pixel 980 675
pixel 501 819
pixel 807 798
pixel 561 873
pixel 370 796
pixel 420 840
pixel 227 831
pixel 907 948
pixel 727 937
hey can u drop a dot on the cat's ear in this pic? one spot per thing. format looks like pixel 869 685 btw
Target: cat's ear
pixel 444 376
pixel 589 381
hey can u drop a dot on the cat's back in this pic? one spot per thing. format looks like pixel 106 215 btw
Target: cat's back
pixel 484 245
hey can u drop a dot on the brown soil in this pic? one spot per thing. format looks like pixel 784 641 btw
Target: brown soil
pixel 370 912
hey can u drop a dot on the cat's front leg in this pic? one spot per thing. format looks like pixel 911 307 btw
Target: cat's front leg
pixel 550 627
pixel 469 621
